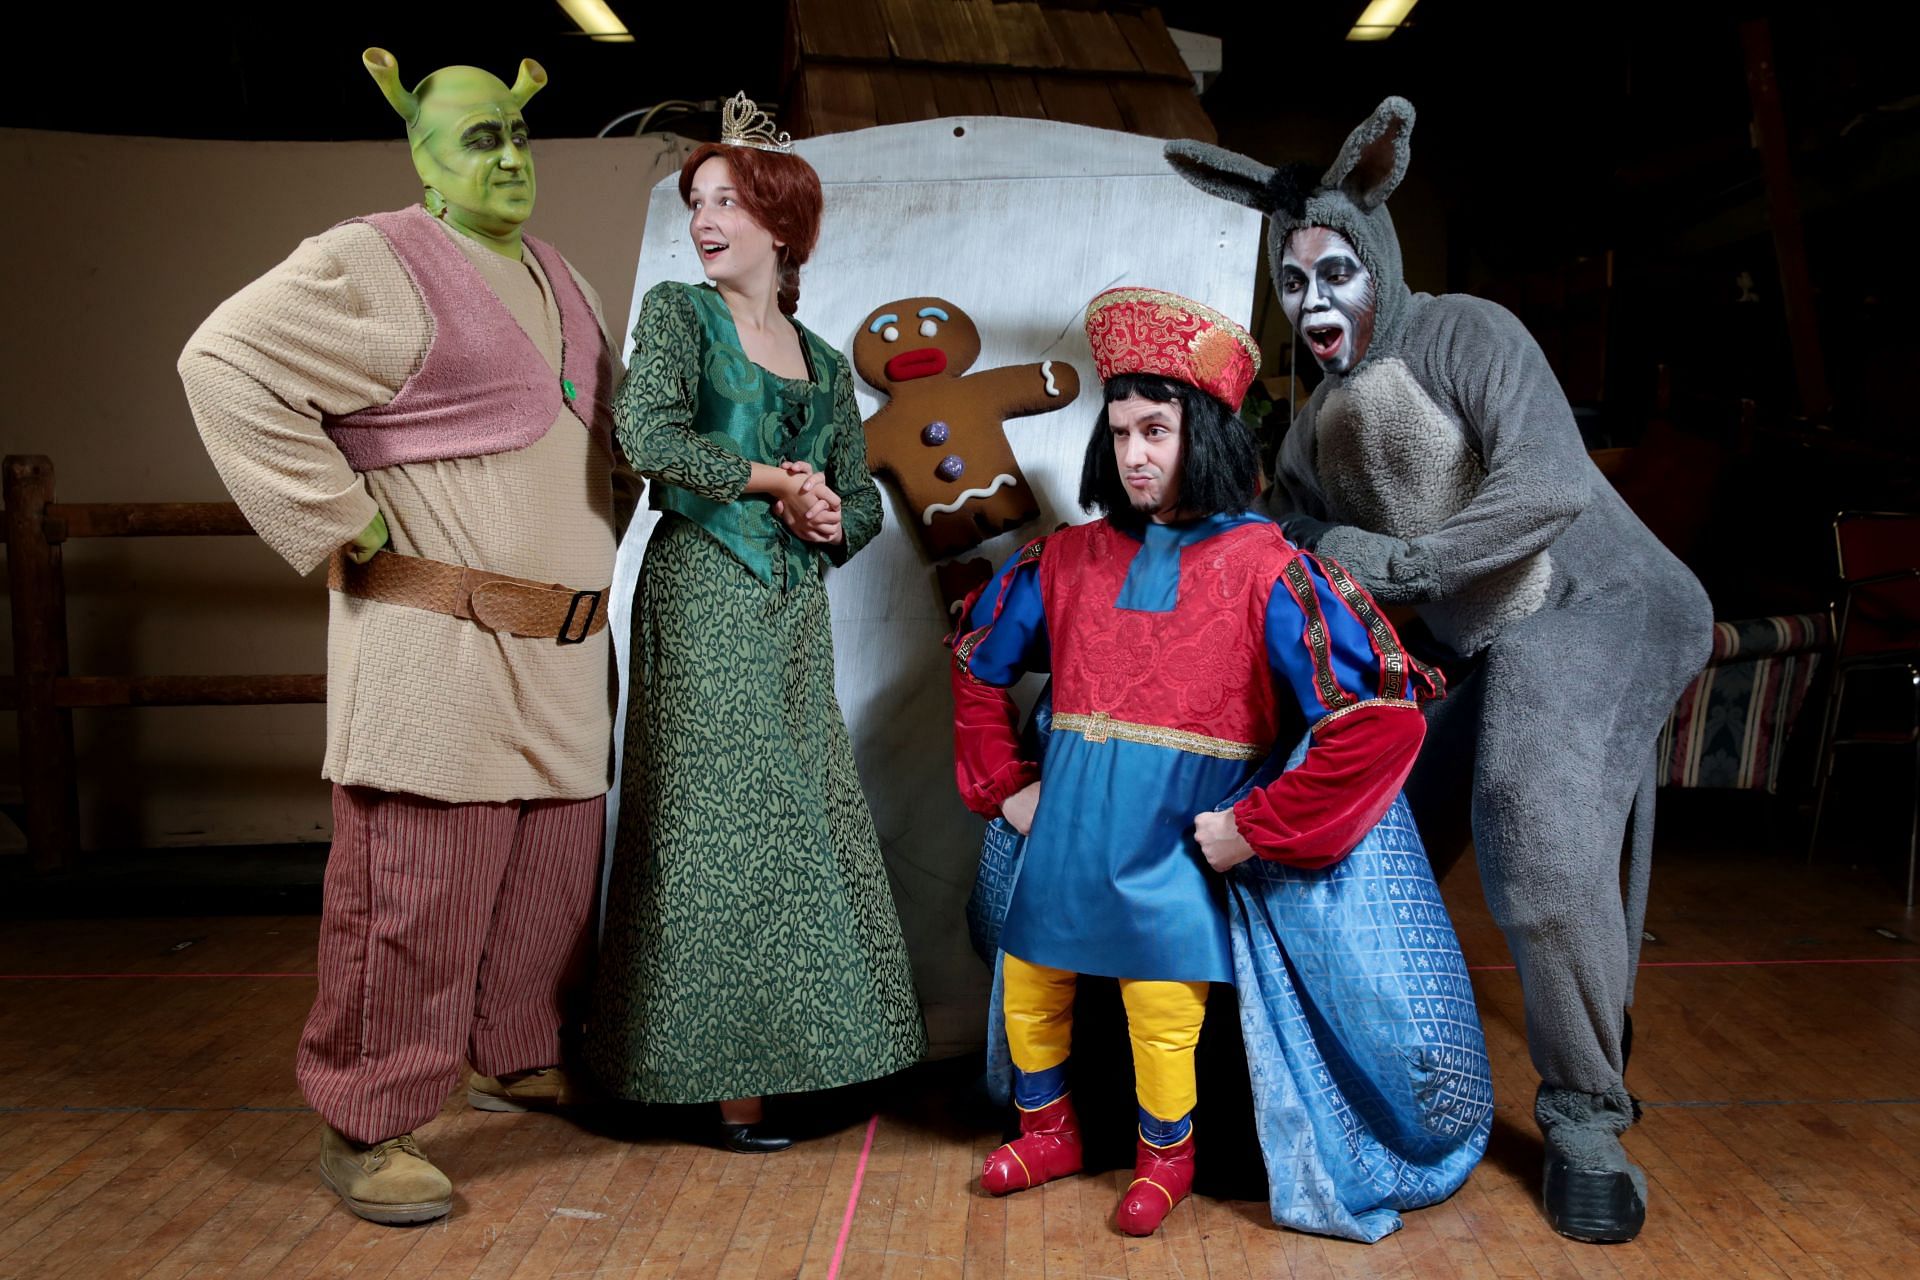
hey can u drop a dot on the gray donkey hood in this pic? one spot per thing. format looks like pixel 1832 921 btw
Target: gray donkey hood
pixel 1351 197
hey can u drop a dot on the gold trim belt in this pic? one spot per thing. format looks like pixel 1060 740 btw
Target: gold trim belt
pixel 1101 727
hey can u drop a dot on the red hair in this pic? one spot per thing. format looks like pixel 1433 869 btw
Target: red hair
pixel 781 192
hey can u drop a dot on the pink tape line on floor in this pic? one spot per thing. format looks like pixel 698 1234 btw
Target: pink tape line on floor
pixel 853 1200
pixel 1721 964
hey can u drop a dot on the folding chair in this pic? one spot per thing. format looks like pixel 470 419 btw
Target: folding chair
pixel 1877 632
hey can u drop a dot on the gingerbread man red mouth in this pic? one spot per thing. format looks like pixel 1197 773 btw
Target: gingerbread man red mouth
pixel 921 363
pixel 940 437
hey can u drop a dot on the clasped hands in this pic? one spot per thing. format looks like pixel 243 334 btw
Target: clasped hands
pixel 808 507
pixel 1218 834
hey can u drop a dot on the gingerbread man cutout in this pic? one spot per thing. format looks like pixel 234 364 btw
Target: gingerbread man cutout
pixel 940 435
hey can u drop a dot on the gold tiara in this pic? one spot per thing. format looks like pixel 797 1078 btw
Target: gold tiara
pixel 743 124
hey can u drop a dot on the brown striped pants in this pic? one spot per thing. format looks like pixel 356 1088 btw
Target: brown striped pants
pixel 448 933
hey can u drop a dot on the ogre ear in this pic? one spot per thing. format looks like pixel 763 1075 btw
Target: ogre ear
pixel 1374 158
pixel 385 70
pixel 1223 173
pixel 532 79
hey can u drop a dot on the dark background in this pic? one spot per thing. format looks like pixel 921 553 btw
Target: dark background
pixel 1593 166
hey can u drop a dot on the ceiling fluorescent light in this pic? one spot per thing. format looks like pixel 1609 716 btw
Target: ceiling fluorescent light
pixel 1381 19
pixel 597 20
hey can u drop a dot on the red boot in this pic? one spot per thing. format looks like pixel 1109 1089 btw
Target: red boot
pixel 1162 1176
pixel 1048 1147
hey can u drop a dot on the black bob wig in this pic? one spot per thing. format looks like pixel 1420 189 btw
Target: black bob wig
pixel 1219 461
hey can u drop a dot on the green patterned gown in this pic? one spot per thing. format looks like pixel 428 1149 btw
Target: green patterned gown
pixel 751 942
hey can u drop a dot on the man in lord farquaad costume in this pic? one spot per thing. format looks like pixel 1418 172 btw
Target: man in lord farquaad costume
pixel 418 400
pixel 1177 628
pixel 1438 462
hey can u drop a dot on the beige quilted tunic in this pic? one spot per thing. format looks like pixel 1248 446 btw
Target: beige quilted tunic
pixel 416 701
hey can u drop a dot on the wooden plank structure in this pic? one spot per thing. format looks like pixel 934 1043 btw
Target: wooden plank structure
pixel 42 693
pixel 858 63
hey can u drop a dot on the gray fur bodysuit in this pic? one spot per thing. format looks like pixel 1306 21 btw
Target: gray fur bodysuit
pixel 1445 471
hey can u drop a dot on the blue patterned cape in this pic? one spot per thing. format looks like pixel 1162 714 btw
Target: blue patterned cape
pixel 1371 1086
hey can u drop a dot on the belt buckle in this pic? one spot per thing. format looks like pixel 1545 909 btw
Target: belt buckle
pixel 586 623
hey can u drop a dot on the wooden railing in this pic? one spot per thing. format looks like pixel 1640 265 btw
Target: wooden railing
pixel 42 693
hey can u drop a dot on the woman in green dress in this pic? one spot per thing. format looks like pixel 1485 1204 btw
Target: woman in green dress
pixel 751 943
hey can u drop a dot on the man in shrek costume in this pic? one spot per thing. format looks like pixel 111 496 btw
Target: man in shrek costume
pixel 418 400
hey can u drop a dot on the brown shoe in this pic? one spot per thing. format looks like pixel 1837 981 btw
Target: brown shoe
pixel 541 1089
pixel 391 1181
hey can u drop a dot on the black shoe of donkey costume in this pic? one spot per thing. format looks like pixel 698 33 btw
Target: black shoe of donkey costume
pixel 1439 463
pixel 1590 1191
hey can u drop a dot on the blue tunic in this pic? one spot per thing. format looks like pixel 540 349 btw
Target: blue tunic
pixel 1113 881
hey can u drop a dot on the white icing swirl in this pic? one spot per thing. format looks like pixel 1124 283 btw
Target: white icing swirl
pixel 1046 371
pixel 941 508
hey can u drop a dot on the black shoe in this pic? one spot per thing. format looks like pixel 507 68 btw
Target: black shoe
pixel 1590 1190
pixel 752 1139
pixel 1597 1206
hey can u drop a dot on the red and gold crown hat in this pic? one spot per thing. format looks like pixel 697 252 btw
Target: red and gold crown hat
pixel 1134 330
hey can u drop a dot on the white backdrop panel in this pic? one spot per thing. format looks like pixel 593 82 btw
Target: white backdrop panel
pixel 1020 223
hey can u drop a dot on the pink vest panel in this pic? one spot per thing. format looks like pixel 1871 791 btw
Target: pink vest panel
pixel 483 386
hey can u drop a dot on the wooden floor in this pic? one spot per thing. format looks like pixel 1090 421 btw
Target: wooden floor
pixel 149 1126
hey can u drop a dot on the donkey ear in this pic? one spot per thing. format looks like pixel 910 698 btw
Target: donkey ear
pixel 1374 158
pixel 1223 173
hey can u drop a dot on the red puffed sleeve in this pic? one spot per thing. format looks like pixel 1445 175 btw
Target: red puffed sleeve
pixel 1002 636
pixel 1361 691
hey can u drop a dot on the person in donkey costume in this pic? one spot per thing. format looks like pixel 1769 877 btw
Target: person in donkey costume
pixel 1181 631
pixel 1439 463
pixel 420 400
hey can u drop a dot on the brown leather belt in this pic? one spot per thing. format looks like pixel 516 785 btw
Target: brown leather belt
pixel 514 606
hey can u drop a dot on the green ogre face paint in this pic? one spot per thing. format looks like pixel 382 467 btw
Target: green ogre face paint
pixel 470 145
